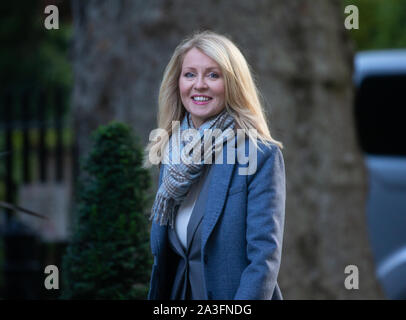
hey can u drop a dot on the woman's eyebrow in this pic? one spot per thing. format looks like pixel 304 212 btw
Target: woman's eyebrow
pixel 207 69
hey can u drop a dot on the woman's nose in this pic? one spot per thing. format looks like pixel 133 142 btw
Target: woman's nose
pixel 200 83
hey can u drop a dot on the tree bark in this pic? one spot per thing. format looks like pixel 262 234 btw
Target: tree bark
pixel 302 60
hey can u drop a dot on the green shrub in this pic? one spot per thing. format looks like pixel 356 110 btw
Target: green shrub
pixel 108 256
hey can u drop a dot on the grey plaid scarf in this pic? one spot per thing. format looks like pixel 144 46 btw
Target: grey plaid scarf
pixel 179 176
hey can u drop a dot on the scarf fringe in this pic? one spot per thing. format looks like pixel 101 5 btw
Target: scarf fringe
pixel 163 211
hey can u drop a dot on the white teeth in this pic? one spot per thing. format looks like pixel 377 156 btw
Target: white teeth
pixel 200 98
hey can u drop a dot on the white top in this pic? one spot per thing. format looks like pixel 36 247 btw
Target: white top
pixel 186 208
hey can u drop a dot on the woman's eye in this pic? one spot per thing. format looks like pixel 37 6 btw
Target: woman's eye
pixel 188 74
pixel 214 75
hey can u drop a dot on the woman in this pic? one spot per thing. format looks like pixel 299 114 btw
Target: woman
pixel 217 230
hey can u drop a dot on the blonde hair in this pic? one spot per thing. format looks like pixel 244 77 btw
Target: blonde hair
pixel 241 94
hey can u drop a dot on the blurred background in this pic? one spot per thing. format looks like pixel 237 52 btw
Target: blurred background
pixel 333 96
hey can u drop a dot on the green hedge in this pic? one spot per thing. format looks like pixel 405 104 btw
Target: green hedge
pixel 108 256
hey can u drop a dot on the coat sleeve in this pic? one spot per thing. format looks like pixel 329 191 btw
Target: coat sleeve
pixel 264 226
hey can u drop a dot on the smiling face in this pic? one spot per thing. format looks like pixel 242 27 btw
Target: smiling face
pixel 201 86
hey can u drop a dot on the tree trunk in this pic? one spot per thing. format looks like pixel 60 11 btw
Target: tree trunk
pixel 302 60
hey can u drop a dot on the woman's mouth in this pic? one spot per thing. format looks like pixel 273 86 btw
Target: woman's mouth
pixel 199 99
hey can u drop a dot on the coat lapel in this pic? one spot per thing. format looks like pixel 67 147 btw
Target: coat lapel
pixel 174 241
pixel 218 187
pixel 199 208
